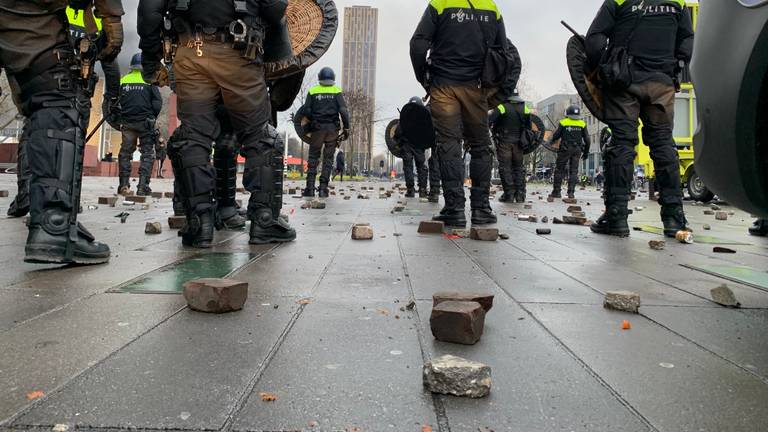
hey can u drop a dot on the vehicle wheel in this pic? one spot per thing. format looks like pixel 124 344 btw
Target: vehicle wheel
pixel 697 190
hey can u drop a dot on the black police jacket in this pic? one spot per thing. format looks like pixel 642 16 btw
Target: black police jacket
pixel 324 106
pixel 449 31
pixel 664 35
pixel 573 135
pixel 508 120
pixel 139 101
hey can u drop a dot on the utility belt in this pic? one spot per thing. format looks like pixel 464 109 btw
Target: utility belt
pixel 248 39
pixel 38 78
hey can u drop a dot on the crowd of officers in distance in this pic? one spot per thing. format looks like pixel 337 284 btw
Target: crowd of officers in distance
pixel 223 98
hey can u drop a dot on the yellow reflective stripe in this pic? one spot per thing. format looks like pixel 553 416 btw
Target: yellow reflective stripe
pixel 321 89
pixel 566 122
pixel 483 5
pixel 527 110
pixel 75 18
pixel 501 109
pixel 133 77
pixel 680 3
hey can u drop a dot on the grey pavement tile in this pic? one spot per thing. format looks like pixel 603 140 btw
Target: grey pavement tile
pixel 283 273
pixel 674 384
pixel 48 352
pixel 188 373
pixel 737 335
pixel 431 274
pixel 343 366
pixel 537 385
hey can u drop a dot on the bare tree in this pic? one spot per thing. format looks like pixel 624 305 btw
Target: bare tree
pixel 8 111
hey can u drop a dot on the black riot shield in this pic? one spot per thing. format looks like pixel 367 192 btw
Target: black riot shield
pixel 538 130
pixel 584 81
pixel 391 137
pixel 302 124
pixel 283 91
pixel 417 126
pixel 312 26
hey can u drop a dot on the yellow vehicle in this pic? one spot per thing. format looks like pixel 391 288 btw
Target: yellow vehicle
pixel 686 123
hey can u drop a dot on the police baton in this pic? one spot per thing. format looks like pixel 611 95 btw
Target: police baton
pixel 572 30
pixel 95 128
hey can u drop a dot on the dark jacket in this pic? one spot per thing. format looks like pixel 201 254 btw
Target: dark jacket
pixel 139 101
pixel 508 121
pixel 324 105
pixel 340 160
pixel 573 135
pixel 663 35
pixel 455 42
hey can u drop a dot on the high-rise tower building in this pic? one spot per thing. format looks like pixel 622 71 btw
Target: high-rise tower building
pixel 359 81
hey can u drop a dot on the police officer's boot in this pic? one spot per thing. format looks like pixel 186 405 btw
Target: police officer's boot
pixel 309 192
pixel 572 195
pixel 520 195
pixel 556 193
pixel 673 218
pixel 322 191
pixel 178 205
pixel 423 193
pixel 229 218
pixel 265 228
pixel 410 192
pixel 451 214
pixel 48 241
pixel 19 206
pixel 614 220
pixel 507 197
pixel 143 188
pixel 759 228
pixel 124 187
pixel 434 194
pixel 199 230
pixel 482 214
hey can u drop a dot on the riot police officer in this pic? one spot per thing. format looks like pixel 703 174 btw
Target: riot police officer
pixel 140 104
pixel 657 36
pixel 411 155
pixel 219 59
pixel 508 120
pixel 574 144
pixel 53 86
pixel 457 49
pixel 434 176
pixel 77 30
pixel 324 105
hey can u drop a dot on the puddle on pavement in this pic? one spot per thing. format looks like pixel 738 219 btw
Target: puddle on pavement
pixel 170 279
pixel 697 238
pixel 745 275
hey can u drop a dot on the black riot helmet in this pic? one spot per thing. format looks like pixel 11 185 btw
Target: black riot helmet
pixel 515 98
pixel 416 100
pixel 573 112
pixel 327 76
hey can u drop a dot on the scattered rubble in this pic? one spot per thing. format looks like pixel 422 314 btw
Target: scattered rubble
pixel 139 199
pixel 157 195
pixel 215 295
pixel 153 228
pixel 684 237
pixel 657 244
pixel 543 231
pixel 431 227
pixel 110 201
pixel 456 376
pixel 622 301
pixel 574 220
pixel 484 234
pixel 724 296
pixel 720 249
pixel 176 222
pixel 458 322
pixel 4 194
pixel 706 227
pixel 572 209
pixel 570 200
pixel 504 236
pixel 317 205
pixel 362 232
pixel 721 216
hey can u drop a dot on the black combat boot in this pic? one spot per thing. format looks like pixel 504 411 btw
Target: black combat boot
pixel 482 214
pixel 199 230
pixel 323 191
pixel 143 188
pixel 410 192
pixel 49 239
pixel 556 194
pixel 507 197
pixel 760 228
pixel 309 191
pixel 230 219
pixel 267 229
pixel 614 220
pixel 520 196
pixel 434 195
pixel 423 193
pixel 451 215
pixel 20 205
pixel 673 218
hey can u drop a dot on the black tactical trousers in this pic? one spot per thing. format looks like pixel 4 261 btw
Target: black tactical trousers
pixel 220 76
pixel 143 134
pixel 511 157
pixel 567 166
pixel 460 115
pixel 322 143
pixel 410 156
pixel 434 171
pixel 653 103
pixel 56 111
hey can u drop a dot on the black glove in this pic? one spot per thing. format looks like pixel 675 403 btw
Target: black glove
pixel 344 135
pixel 154 73
pixel 113 30
pixel 584 155
pixel 111 111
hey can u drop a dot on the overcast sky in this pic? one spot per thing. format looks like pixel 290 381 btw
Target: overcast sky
pixel 533 26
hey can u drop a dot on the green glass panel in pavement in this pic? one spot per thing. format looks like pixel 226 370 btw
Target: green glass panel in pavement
pixel 745 275
pixel 170 279
pixel 696 237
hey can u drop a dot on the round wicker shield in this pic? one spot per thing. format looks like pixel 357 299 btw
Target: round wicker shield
pixel 392 138
pixel 312 25
pixel 302 123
